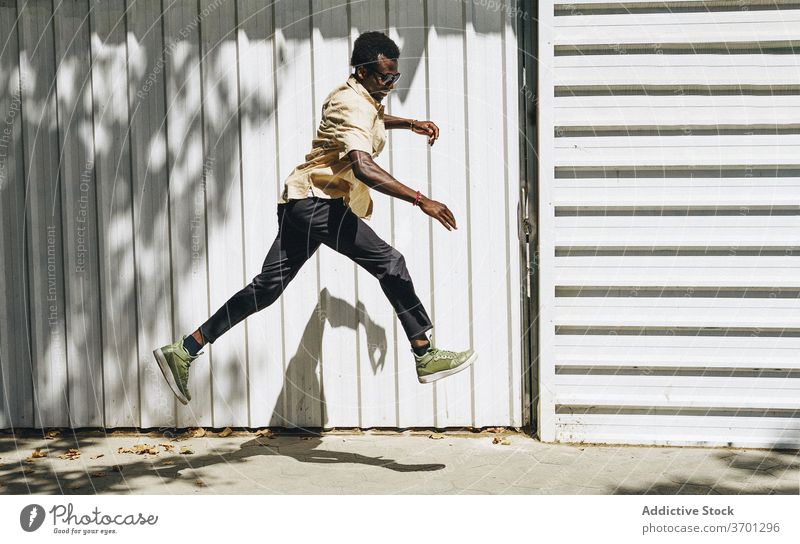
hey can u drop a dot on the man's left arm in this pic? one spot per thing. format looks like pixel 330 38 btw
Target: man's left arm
pixel 428 128
pixel 390 121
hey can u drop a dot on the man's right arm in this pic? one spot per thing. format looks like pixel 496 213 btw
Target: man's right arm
pixel 371 174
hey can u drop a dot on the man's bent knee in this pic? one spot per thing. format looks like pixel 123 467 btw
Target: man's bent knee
pixel 396 266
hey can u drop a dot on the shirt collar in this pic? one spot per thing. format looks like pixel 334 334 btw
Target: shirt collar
pixel 360 89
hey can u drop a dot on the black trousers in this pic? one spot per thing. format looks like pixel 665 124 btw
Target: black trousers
pixel 303 225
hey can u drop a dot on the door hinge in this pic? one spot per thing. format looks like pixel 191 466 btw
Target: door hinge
pixel 527 229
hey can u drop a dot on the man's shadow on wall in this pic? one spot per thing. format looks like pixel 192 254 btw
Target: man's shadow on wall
pixel 301 404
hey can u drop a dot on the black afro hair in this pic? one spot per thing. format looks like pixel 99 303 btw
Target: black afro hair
pixel 371 44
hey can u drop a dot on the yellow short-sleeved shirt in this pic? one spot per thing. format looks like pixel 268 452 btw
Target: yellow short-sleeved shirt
pixel 351 119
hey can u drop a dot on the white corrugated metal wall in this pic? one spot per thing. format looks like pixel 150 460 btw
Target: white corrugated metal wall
pixel 669 222
pixel 144 145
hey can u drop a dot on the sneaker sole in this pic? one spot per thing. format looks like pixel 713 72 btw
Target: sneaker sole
pixel 165 370
pixel 430 378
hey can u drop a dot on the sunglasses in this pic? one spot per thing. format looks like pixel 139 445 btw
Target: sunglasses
pixel 385 79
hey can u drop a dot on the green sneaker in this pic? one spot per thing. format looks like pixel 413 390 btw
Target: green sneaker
pixel 436 363
pixel 174 362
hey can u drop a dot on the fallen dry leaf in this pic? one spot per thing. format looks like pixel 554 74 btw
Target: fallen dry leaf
pixel 264 432
pixel 100 474
pixel 199 432
pixel 226 432
pixel 165 463
pixel 52 434
pixel 436 436
pixel 495 430
pixel 200 483
pixel 76 485
pixel 38 453
pixel 28 470
pixel 186 451
pixel 496 440
pixel 505 442
pixel 70 454
pixel 98 456
pixel 140 449
pixel 167 446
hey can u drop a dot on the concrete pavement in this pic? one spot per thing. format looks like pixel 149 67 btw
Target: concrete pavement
pixel 377 462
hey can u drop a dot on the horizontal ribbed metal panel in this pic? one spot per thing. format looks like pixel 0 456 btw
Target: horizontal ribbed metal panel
pixel 669 222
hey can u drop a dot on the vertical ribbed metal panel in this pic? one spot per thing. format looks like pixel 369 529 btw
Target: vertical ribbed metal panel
pixel 668 223
pixel 116 241
pixel 144 146
pixel 16 393
pixel 44 223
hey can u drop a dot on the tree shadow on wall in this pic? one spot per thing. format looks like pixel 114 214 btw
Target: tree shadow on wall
pixel 154 134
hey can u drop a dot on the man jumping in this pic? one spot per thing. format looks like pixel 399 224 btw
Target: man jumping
pixel 325 201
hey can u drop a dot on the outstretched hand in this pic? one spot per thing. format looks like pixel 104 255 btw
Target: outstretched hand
pixel 438 211
pixel 427 128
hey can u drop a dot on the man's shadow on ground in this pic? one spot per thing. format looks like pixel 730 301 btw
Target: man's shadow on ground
pixel 304 449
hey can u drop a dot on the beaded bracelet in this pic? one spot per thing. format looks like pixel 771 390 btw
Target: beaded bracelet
pixel 416 200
